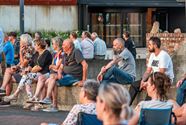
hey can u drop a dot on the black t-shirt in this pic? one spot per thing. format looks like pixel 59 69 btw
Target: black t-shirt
pixel 44 61
pixel 73 65
pixel 129 44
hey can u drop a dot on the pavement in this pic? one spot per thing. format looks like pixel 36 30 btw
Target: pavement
pixel 16 115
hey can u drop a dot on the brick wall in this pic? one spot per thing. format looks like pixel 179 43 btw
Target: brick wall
pixel 175 45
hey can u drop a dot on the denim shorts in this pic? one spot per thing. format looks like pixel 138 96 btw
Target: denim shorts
pixel 52 124
pixel 67 80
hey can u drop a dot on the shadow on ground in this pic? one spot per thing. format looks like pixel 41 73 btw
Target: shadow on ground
pixel 15 115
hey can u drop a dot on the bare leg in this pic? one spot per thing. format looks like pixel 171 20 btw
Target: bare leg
pixel 40 85
pixel 8 89
pixel 43 93
pixel 7 77
pixel 44 123
pixel 54 96
pixel 51 84
pixel 9 86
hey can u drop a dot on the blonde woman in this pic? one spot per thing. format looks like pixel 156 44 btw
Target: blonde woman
pixel 112 104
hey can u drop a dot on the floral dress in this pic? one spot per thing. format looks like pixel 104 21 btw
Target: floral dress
pixel 72 117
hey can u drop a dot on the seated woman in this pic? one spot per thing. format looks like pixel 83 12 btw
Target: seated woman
pixel 39 66
pixel 112 104
pixel 157 87
pixel 57 60
pixel 87 98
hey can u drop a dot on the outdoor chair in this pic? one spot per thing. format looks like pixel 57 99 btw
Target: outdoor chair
pixel 88 119
pixel 154 116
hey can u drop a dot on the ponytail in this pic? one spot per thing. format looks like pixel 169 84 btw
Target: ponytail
pixel 126 112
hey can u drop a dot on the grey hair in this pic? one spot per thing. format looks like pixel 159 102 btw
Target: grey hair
pixel 95 34
pixel 114 96
pixel 57 40
pixel 120 40
pixel 91 88
pixel 25 38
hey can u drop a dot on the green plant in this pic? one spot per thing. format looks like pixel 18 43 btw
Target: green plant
pixel 52 34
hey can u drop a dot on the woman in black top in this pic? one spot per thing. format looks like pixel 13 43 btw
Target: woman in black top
pixel 39 66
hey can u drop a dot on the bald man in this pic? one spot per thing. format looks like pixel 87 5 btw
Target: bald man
pixel 122 69
pixel 74 70
pixel 75 65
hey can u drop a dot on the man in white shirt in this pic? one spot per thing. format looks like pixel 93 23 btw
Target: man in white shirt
pixel 73 37
pixel 159 60
pixel 87 45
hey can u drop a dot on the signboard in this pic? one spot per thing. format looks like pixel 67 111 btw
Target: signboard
pixel 39 2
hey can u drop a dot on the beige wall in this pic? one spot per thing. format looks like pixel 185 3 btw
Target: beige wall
pixel 37 18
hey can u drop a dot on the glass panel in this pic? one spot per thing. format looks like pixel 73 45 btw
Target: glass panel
pixel 97 24
pixel 113 27
pixel 133 24
pixel 108 26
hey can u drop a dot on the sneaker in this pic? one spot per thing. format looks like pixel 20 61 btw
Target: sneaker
pixel 37 107
pixel 33 100
pixel 4 104
pixel 28 106
pixel 46 101
pixel 50 109
pixel 2 92
pixel 9 98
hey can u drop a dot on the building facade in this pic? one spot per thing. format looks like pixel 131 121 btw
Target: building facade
pixel 110 18
pixel 40 15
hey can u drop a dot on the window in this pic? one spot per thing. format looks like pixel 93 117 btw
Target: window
pixel 110 25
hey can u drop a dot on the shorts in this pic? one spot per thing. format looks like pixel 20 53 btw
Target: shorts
pixel 67 80
pixel 17 77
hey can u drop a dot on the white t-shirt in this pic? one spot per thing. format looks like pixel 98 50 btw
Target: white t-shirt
pixel 155 104
pixel 162 60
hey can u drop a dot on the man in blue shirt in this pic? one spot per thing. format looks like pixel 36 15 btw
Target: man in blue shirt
pixel 100 47
pixel 1 43
pixel 8 50
pixel 16 45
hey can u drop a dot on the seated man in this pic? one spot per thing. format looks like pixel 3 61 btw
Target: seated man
pixel 87 98
pixel 122 69
pixel 181 90
pixel 87 45
pixel 8 50
pixel 16 44
pixel 100 47
pixel 180 112
pixel 1 43
pixel 74 69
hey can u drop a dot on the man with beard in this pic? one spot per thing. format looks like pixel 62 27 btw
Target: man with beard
pixel 122 69
pixel 159 61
